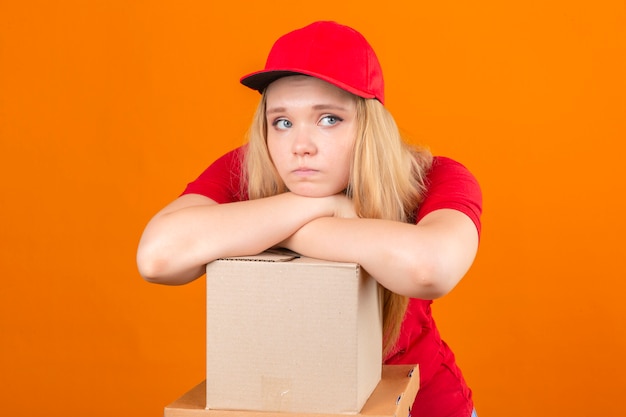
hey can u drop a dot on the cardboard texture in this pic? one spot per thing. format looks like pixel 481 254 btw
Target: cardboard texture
pixel 393 397
pixel 291 334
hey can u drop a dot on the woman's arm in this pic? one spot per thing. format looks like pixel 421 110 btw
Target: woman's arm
pixel 194 230
pixel 425 261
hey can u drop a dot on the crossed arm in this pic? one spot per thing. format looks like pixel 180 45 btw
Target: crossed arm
pixel 423 261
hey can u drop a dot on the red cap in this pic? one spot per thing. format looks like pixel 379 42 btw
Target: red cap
pixel 329 51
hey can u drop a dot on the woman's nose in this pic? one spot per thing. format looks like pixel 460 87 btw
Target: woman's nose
pixel 303 143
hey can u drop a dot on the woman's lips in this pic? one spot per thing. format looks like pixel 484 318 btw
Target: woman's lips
pixel 304 171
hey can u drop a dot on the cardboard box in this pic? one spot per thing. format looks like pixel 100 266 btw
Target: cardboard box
pixel 291 334
pixel 393 397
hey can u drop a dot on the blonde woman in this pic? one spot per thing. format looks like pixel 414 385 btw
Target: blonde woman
pixel 326 174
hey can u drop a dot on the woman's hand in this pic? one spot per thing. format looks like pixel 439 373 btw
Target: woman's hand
pixel 343 207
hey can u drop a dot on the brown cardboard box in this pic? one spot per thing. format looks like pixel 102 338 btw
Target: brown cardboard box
pixel 291 334
pixel 393 397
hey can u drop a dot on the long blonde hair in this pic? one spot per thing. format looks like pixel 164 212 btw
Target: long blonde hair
pixel 387 181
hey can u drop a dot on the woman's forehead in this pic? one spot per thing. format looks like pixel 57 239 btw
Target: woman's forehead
pixel 306 90
pixel 306 82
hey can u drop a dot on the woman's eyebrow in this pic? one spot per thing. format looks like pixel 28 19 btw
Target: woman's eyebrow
pixel 329 107
pixel 275 110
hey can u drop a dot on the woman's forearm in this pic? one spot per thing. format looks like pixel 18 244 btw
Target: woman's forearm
pixel 422 261
pixel 193 231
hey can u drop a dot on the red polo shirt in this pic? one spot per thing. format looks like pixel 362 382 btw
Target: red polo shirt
pixel 443 391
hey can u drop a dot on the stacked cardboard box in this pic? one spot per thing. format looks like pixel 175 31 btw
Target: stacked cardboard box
pixel 393 397
pixel 292 335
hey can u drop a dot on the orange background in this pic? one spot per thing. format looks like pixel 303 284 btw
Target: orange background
pixel 108 108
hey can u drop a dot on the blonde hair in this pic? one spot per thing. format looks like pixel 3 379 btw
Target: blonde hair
pixel 387 181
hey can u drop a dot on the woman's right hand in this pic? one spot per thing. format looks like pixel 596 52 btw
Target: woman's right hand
pixel 343 207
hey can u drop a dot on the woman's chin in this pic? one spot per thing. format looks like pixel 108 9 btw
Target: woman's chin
pixel 313 192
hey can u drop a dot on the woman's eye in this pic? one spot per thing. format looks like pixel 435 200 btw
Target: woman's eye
pixel 282 124
pixel 330 120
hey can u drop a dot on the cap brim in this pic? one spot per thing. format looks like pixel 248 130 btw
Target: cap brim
pixel 261 79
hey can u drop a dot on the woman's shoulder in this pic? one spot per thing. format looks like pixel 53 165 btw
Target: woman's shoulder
pixel 450 184
pixel 441 162
pixel 221 181
pixel 448 170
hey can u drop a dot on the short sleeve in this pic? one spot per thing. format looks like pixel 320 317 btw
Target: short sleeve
pixel 221 181
pixel 451 185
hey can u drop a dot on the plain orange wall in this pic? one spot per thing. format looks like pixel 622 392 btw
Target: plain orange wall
pixel 108 108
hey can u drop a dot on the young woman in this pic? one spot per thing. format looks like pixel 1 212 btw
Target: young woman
pixel 326 174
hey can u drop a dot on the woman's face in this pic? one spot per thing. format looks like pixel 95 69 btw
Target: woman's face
pixel 311 129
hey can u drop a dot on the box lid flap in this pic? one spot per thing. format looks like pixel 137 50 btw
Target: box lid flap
pixel 267 256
